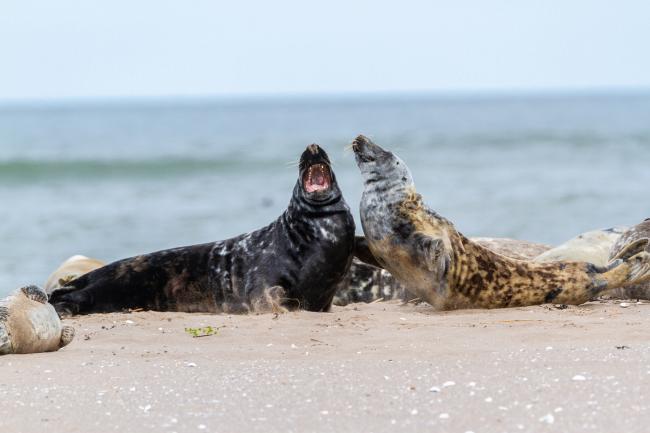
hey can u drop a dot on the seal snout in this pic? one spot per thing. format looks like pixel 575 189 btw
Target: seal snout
pixel 360 143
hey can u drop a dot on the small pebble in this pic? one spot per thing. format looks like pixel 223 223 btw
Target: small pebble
pixel 548 418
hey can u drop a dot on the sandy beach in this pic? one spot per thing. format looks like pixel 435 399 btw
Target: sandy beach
pixel 379 367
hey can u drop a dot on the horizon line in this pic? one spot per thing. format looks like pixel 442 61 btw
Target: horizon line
pixel 478 93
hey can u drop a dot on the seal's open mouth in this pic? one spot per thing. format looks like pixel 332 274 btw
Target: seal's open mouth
pixel 317 178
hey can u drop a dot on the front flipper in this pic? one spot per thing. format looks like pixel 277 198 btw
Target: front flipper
pixel 435 253
pixel 67 334
pixel 362 251
pixel 35 293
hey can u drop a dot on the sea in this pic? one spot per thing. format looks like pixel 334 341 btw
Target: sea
pixel 115 178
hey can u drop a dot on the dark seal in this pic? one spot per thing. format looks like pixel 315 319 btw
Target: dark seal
pixel 295 262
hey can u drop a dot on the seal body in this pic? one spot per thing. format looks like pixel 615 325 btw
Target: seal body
pixel 295 262
pixel 72 268
pixel 428 255
pixel 367 283
pixel 29 324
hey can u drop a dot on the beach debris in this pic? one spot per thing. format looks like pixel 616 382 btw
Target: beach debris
pixel 443 416
pixel 190 364
pixel 622 347
pixel 434 389
pixel 204 331
pixel 561 306
pixel 579 378
pixel 624 304
pixel 548 418
pixel 448 384
pixel 129 322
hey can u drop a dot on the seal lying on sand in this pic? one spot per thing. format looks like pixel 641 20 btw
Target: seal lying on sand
pixel 295 262
pixel 72 268
pixel 28 324
pixel 425 252
pixel 367 283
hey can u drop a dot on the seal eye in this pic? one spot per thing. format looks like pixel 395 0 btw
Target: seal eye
pixel 317 178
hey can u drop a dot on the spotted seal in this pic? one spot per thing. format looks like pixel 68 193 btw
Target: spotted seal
pixel 29 324
pixel 72 268
pixel 295 262
pixel 426 253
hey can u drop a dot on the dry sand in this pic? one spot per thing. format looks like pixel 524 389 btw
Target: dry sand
pixel 381 367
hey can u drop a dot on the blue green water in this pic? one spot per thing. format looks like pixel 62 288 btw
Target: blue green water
pixel 111 180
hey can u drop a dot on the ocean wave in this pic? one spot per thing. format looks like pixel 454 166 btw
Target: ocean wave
pixel 28 170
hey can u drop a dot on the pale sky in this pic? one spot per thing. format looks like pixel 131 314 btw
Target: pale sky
pixel 119 48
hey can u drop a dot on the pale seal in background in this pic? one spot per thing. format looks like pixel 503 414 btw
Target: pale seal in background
pixel 428 255
pixel 29 324
pixel 71 269
pixel 592 247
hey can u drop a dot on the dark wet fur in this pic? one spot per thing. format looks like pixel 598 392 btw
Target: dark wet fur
pixel 306 252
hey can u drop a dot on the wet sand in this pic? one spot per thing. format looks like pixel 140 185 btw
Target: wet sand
pixel 381 367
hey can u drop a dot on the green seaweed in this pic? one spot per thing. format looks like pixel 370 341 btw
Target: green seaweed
pixel 205 331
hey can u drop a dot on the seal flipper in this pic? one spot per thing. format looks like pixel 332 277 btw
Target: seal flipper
pixel 363 253
pixel 630 266
pixel 35 293
pixel 433 249
pixel 633 249
pixel 67 334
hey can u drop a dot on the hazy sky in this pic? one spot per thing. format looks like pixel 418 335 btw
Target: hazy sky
pixel 84 48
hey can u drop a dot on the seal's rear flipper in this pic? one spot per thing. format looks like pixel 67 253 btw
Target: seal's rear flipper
pixel 362 252
pixel 630 266
pixel 633 248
